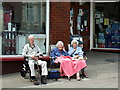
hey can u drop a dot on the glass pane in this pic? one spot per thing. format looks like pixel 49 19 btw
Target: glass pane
pixel 30 14
pixel 21 20
pixel 33 18
pixel 82 20
pixel 9 43
pixel 107 26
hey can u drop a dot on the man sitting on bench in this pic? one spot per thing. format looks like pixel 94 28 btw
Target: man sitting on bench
pixel 32 51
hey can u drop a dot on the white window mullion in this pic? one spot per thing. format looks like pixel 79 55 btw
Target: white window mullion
pixel 47 25
pixel 91 23
pixel 1 26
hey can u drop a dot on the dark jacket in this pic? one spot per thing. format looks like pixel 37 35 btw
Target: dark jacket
pixel 57 53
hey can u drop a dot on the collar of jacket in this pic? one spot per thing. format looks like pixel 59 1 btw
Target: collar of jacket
pixel 32 46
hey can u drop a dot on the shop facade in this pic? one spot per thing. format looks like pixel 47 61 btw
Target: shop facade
pixel 98 24
pixel 54 21
pixel 92 22
pixel 20 19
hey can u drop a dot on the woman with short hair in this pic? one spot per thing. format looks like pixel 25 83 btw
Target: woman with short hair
pixel 68 65
pixel 59 50
pixel 77 55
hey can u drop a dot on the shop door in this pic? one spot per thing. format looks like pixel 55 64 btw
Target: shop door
pixel 81 23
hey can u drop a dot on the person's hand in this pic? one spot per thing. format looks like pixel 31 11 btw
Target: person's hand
pixel 61 55
pixel 64 48
pixel 40 56
pixel 76 56
pixel 55 57
pixel 34 58
pixel 85 58
pixel 74 50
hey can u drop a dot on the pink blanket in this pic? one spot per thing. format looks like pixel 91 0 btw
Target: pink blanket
pixel 69 67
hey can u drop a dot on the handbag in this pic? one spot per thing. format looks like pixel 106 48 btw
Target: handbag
pixel 53 74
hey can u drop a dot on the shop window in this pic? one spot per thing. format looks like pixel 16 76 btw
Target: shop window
pixel 107 26
pixel 30 10
pixel 33 18
pixel 79 17
pixel 21 20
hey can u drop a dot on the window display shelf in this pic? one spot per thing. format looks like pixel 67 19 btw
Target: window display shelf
pixel 9 42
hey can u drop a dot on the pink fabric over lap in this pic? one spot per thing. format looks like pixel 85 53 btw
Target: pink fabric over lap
pixel 69 67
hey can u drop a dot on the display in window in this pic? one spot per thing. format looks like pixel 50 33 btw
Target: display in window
pixel 106 21
pixel 97 15
pixel 97 21
pixel 108 37
pixel 82 20
pixel 9 43
pixel 18 24
pixel 107 26
pixel 101 20
pixel 71 21
pixel 7 19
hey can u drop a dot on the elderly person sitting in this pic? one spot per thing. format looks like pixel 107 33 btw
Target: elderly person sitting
pixel 85 58
pixel 68 65
pixel 60 50
pixel 77 54
pixel 32 51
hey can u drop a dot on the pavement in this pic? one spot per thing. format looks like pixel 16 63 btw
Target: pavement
pixel 102 70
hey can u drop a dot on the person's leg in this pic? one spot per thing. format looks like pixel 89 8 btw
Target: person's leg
pixel 78 76
pixel 84 73
pixel 79 65
pixel 32 70
pixel 44 71
pixel 44 67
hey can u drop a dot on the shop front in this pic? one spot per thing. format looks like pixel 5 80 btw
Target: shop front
pixel 97 23
pixel 21 19
pixel 106 33
pixel 17 21
pixel 80 22
pixel 42 19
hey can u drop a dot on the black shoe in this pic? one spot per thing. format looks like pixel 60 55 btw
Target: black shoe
pixel 34 80
pixel 69 79
pixel 43 80
pixel 84 74
pixel 81 76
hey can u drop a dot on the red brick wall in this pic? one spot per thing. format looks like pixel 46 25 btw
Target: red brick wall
pixel 60 22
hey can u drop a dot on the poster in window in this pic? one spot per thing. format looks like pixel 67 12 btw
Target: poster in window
pixel 97 16
pixel 80 12
pixel 97 21
pixel 101 20
pixel 106 21
pixel 71 12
